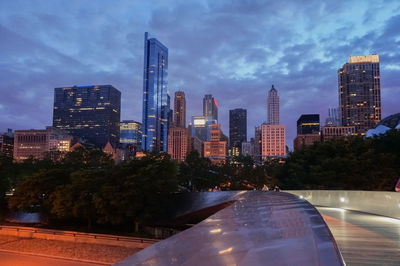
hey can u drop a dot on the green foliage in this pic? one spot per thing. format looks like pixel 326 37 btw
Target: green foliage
pixel 356 164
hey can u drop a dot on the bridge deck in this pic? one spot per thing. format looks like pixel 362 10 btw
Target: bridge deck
pixel 364 239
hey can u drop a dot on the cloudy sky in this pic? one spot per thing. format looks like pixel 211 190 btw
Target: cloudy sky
pixel 232 49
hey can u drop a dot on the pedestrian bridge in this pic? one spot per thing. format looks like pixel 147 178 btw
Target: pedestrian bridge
pixel 284 228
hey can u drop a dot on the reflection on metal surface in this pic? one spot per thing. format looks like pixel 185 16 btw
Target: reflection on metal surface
pixel 263 228
pixel 225 251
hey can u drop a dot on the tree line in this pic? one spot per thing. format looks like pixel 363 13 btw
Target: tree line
pixel 86 185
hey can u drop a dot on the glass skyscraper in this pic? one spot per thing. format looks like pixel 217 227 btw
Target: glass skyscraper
pixel 90 113
pixel 210 107
pixel 131 133
pixel 156 104
pixel 237 129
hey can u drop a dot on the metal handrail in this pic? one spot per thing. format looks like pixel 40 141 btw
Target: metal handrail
pixel 79 234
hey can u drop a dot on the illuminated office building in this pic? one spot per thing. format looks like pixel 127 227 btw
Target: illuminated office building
pixel 7 143
pixel 90 113
pixel 273 141
pixel 210 108
pixel 216 148
pixel 308 124
pixel 178 141
pixel 237 130
pixel 330 132
pixel 180 109
pixel 130 133
pixel 360 93
pixel 199 127
pixel 36 143
pixel 156 104
pixel 273 107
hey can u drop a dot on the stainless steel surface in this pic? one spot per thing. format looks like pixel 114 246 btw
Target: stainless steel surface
pixel 364 239
pixel 259 228
pixel 376 202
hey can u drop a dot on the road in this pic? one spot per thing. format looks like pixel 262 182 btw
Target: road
pixel 364 239
pixel 14 259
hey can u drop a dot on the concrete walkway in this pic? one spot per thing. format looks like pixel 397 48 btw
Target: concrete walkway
pixel 364 239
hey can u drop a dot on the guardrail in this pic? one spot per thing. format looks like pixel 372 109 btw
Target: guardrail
pixel 383 203
pixel 32 232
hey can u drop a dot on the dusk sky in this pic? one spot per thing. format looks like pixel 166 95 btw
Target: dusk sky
pixel 234 50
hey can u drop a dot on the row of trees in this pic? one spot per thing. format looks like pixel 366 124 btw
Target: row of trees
pixel 86 185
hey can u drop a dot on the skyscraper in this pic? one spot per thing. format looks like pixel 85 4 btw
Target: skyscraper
pixel 273 107
pixel 210 107
pixel 180 109
pixel 155 96
pixel 360 93
pixel 237 129
pixel 89 112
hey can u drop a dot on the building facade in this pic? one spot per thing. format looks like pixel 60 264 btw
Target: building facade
pixel 36 143
pixel 216 148
pixel 156 105
pixel 329 133
pixel 180 109
pixel 273 141
pixel 303 140
pixel 273 107
pixel 90 113
pixel 130 133
pixel 360 93
pixel 199 127
pixel 308 124
pixel 178 141
pixel 210 107
pixel 237 130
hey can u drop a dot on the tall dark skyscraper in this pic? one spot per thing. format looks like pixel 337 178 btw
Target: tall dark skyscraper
pixel 210 107
pixel 156 106
pixel 89 112
pixel 237 129
pixel 273 107
pixel 308 124
pixel 360 93
pixel 180 109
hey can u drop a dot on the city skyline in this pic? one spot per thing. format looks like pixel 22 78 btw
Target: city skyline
pixel 42 50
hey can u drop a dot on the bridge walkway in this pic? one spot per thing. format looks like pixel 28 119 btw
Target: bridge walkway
pixel 364 239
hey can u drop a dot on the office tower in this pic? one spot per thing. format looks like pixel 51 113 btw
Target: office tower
pixel 360 93
pixel 273 107
pixel 257 144
pixel 333 118
pixel 215 149
pixel 273 141
pixel 130 133
pixel 210 107
pixel 155 96
pixel 180 109
pixel 199 127
pixel 36 143
pixel 308 124
pixel 90 113
pixel 178 143
pixel 237 130
pixel 7 143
